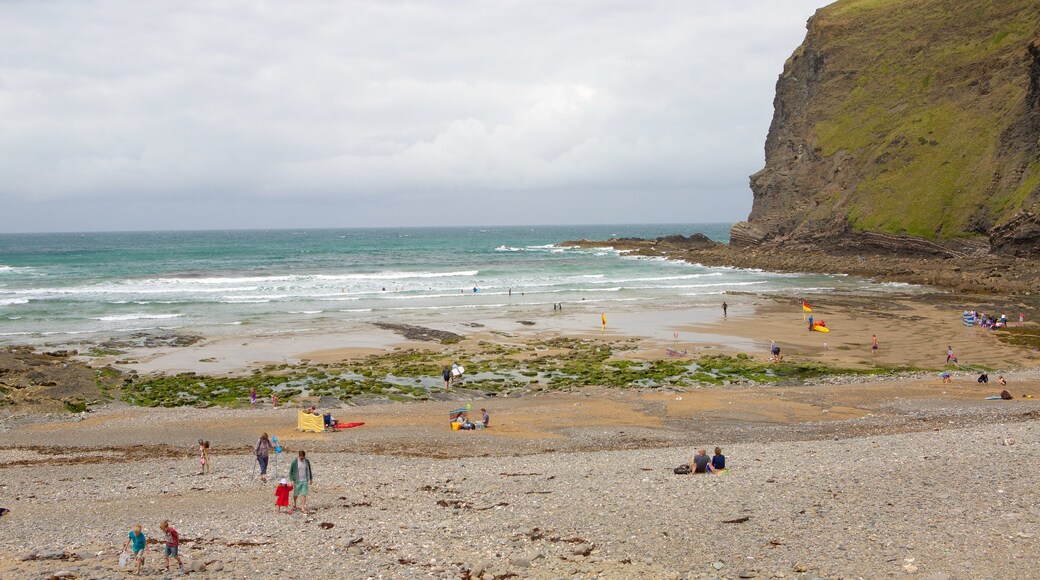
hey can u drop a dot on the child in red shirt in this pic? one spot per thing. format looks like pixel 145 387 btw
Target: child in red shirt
pixel 173 542
pixel 281 494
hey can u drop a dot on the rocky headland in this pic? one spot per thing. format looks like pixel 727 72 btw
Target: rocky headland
pixel 906 128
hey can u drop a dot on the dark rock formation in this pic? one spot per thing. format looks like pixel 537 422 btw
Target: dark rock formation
pixel 413 332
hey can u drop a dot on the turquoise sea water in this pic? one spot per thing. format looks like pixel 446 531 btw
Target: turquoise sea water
pixel 59 287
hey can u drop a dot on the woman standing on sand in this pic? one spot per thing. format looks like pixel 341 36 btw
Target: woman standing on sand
pixel 262 449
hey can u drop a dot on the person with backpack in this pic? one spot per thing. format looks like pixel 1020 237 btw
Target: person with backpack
pixel 262 450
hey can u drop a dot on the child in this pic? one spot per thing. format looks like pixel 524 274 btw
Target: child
pixel 274 400
pixel 946 377
pixel 252 398
pixel 137 538
pixel 202 457
pixel 207 464
pixel 173 541
pixel 1002 381
pixel 718 461
pixel 281 494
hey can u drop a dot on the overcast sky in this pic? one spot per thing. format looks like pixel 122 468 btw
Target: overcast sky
pixel 197 115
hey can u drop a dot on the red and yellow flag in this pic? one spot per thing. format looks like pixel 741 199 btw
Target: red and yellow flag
pixel 806 307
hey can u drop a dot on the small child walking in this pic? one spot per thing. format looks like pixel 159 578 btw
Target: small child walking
pixel 281 495
pixel 252 398
pixel 173 542
pixel 137 542
pixel 204 464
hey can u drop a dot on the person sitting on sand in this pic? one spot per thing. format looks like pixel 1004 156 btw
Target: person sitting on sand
pixel 718 461
pixel 701 463
pixel 947 377
pixel 484 417
pixel 1001 380
pixel 984 378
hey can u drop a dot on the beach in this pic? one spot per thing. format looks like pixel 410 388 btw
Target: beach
pixel 838 476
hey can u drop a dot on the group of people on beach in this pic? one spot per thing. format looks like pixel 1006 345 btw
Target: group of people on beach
pixel 990 322
pixel 701 463
pixel 301 474
pixel 253 398
pixel 453 375
pixel 137 544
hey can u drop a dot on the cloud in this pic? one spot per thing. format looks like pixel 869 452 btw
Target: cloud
pixel 393 107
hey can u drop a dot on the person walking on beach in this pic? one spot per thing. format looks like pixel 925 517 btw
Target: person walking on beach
pixel 301 475
pixel 252 398
pixel 202 457
pixel 274 400
pixel 950 356
pixel 138 543
pixel 725 308
pixel 173 542
pixel 262 450
pixel 873 345
pixel 207 464
pixel 281 495
pixel 446 375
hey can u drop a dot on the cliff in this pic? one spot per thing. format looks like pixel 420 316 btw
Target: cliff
pixel 907 126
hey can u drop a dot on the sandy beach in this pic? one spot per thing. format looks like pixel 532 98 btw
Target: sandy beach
pixel 841 476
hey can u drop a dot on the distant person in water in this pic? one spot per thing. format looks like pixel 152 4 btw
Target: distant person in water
pixel 725 309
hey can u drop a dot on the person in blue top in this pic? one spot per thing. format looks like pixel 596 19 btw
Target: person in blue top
pixel 718 461
pixel 137 540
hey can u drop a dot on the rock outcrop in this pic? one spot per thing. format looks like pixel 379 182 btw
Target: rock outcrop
pixel 908 127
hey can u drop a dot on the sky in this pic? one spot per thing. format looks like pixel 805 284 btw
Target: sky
pixel 121 115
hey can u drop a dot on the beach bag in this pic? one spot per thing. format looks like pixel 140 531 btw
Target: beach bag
pixel 1005 395
pixel 124 559
pixel 683 469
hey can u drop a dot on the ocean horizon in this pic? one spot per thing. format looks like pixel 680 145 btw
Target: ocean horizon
pixel 68 287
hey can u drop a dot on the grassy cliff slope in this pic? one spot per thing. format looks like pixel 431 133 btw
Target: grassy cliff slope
pixel 912 117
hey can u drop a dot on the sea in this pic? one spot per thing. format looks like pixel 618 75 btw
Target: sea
pixel 69 287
